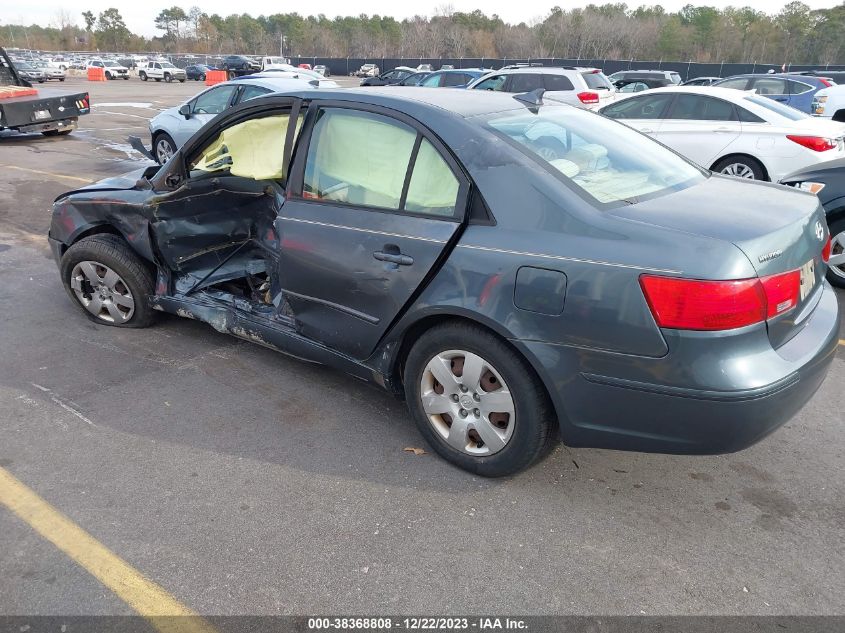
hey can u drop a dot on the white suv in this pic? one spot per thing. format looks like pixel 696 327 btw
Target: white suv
pixel 112 69
pixel 830 103
pixel 585 88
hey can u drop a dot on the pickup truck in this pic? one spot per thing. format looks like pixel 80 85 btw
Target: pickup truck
pixel 26 110
pixel 830 103
pixel 162 70
pixel 239 65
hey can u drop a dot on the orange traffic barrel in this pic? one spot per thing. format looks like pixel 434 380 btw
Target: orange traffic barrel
pixel 215 77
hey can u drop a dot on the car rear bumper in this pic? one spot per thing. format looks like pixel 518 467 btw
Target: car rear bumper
pixel 601 409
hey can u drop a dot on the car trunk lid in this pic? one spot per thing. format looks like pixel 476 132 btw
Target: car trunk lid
pixel 778 229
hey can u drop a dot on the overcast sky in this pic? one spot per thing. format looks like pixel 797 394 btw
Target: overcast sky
pixel 139 16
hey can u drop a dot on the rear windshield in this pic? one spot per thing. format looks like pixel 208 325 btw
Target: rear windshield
pixel 597 81
pixel 606 162
pixel 784 110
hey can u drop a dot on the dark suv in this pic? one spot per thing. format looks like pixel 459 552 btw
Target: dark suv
pixel 637 80
pixel 237 65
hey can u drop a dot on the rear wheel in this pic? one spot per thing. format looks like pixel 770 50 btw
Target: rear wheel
pixel 163 147
pixel 476 401
pixel 836 264
pixel 108 281
pixel 741 167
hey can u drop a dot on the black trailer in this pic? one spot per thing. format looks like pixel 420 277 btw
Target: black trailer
pixel 51 112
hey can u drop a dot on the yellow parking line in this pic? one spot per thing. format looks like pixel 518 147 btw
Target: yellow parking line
pixel 47 173
pixel 143 595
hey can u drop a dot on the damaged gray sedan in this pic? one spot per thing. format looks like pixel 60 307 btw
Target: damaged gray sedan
pixel 517 271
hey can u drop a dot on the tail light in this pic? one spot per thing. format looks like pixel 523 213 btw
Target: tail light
pixel 696 304
pixel 588 97
pixel 826 250
pixel 825 82
pixel 815 143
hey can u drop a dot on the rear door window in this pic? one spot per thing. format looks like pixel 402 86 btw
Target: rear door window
pixel 525 82
pixel 450 80
pixel 557 82
pixel 739 83
pixel 699 108
pixel 432 81
pixel 644 107
pixel 251 92
pixel 770 86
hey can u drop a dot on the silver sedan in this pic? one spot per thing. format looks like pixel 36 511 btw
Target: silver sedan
pixel 170 129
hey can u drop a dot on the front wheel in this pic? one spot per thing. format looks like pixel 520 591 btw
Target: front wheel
pixel 108 76
pixel 476 400
pixel 836 264
pixel 741 167
pixel 143 76
pixel 202 78
pixel 163 147
pixel 108 281
pixel 168 78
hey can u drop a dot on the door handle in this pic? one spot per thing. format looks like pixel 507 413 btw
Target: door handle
pixel 723 129
pixel 647 130
pixel 394 258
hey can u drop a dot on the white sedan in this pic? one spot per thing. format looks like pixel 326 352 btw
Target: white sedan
pixel 730 131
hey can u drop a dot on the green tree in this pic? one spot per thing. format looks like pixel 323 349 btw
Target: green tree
pixel 112 33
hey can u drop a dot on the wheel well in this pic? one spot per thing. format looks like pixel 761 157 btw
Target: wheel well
pixel 740 155
pixel 94 230
pixel 416 330
pixel 839 116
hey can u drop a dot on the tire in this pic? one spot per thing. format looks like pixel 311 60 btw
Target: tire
pixel 161 153
pixel 181 81
pixel 168 78
pixel 741 167
pixel 514 439
pixel 231 75
pixel 109 77
pixel 126 78
pixel 56 132
pixel 101 256
pixel 202 78
pixel 836 274
pixel 143 76
pixel 61 78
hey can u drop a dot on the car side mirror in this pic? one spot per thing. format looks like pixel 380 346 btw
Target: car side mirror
pixel 185 110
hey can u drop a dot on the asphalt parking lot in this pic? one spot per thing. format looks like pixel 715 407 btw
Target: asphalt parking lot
pixel 245 482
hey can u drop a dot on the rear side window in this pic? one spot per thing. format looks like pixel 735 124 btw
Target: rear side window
pixel 251 92
pixel 363 159
pixel 748 117
pixel 432 81
pixel 798 88
pixel 557 82
pixel 698 108
pixel 525 82
pixel 644 107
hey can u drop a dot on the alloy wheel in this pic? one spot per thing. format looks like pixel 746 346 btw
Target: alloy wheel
pixel 467 402
pixel 102 292
pixel 739 170
pixel 837 255
pixel 164 150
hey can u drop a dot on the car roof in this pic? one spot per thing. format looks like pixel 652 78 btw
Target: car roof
pixel 463 103
pixel 276 84
pixel 728 94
